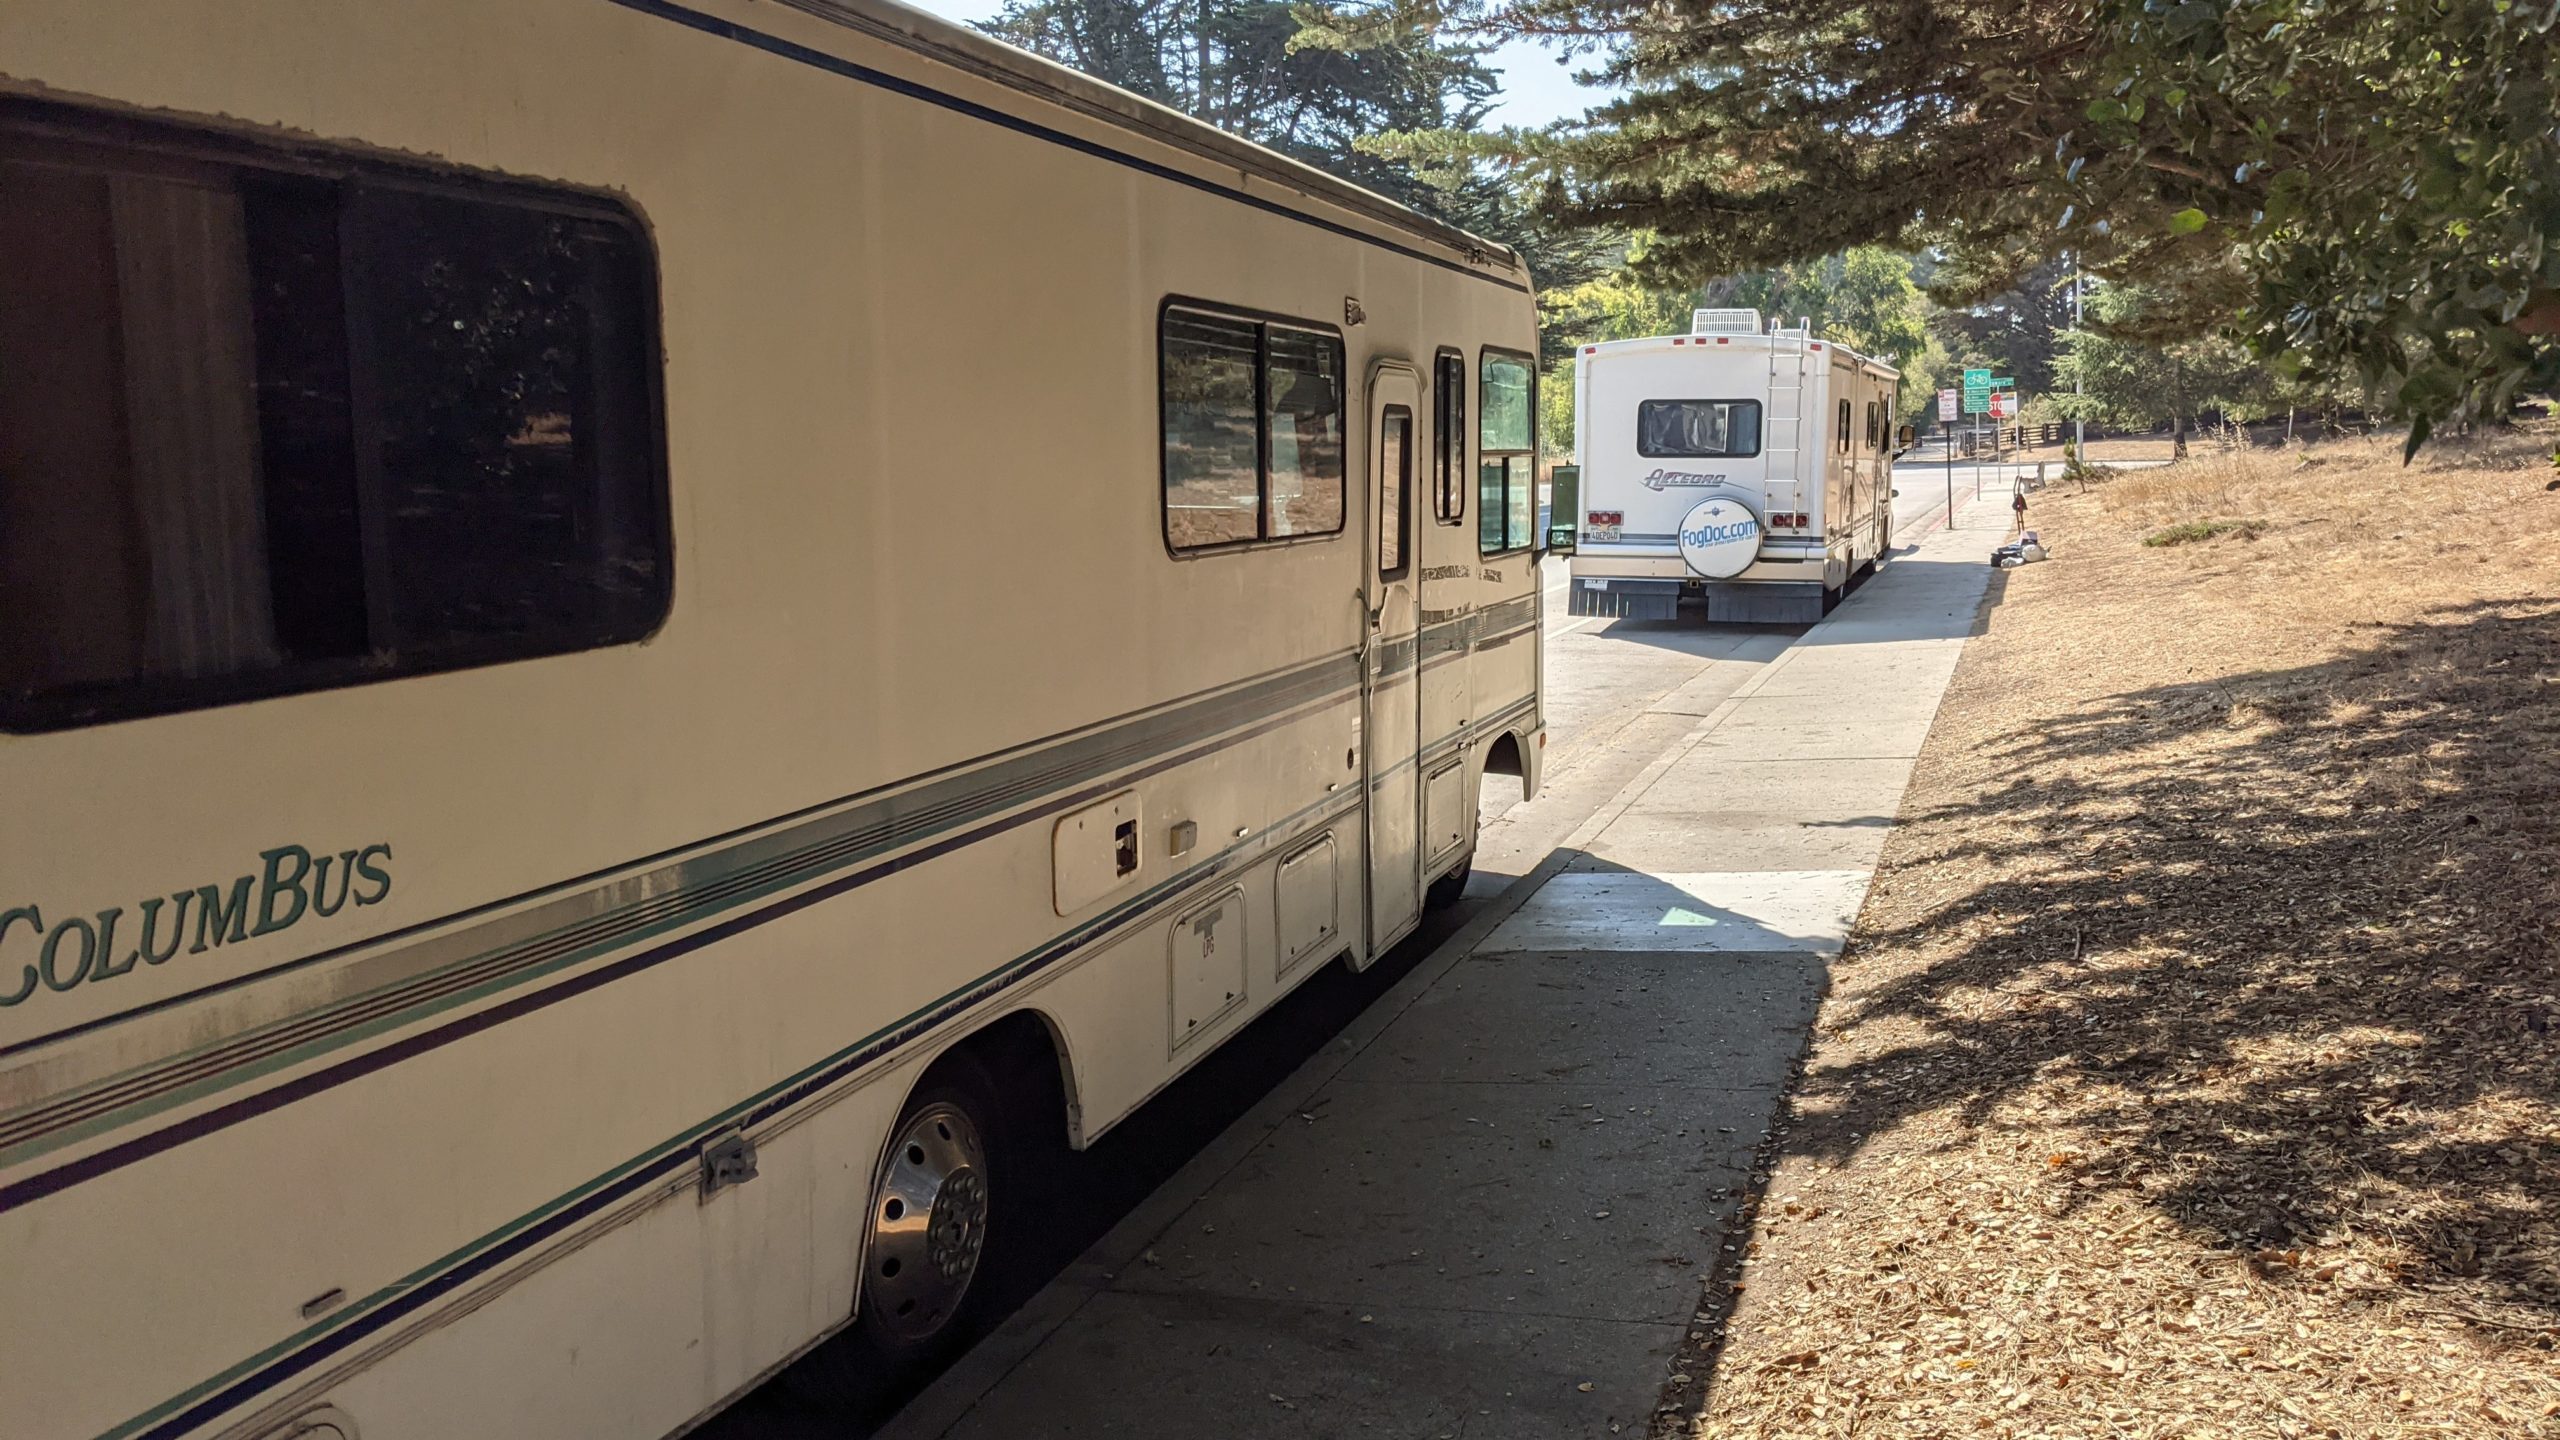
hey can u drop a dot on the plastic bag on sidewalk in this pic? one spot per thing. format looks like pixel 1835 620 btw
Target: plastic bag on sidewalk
pixel 2025 550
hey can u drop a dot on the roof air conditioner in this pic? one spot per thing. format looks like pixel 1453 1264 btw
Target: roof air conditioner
pixel 1724 322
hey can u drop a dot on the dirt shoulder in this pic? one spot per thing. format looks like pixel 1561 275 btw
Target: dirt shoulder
pixel 2195 1070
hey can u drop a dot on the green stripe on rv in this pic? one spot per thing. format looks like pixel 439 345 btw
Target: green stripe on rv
pixel 571 930
pixel 1092 932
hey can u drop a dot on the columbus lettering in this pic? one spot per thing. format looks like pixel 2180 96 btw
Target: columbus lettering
pixel 288 884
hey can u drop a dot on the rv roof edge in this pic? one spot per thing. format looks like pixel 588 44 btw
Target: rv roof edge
pixel 991 59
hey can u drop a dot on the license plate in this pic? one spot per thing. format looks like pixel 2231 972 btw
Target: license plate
pixel 1596 582
pixel 1604 532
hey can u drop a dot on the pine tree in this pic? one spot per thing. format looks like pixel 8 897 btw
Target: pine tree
pixel 1316 82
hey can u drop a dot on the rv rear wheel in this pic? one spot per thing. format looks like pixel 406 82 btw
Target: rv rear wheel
pixel 928 1219
pixel 937 1199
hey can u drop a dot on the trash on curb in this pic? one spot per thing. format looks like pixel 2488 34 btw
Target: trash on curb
pixel 2025 550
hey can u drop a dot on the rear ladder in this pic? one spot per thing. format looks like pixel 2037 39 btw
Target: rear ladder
pixel 1785 439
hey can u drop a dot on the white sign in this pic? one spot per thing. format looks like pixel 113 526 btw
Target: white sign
pixel 1947 402
pixel 1720 538
pixel 2004 404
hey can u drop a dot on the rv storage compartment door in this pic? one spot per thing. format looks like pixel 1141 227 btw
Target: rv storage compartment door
pixel 1208 965
pixel 1310 898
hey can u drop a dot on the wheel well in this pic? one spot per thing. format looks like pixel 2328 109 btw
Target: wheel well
pixel 1502 757
pixel 1023 1054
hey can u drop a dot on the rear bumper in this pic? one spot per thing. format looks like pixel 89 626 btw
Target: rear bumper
pixel 1732 602
pixel 1780 561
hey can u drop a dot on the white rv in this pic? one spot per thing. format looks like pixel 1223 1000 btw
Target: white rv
pixel 639 639
pixel 1750 469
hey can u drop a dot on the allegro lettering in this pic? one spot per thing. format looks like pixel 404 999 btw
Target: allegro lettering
pixel 1661 479
pixel 289 883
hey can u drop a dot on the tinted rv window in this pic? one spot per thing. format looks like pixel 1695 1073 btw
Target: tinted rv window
pixel 1395 484
pixel 1449 440
pixel 1212 440
pixel 1253 429
pixel 1305 386
pixel 1698 429
pixel 266 430
pixel 1506 483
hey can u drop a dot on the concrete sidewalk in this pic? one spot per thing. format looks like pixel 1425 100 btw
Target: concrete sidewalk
pixel 1487 1209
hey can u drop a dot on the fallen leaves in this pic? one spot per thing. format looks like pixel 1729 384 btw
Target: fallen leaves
pixel 2191 1070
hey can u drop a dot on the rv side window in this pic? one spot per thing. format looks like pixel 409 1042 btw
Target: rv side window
pixel 1697 429
pixel 265 430
pixel 1449 440
pixel 1303 378
pixel 1506 480
pixel 1844 427
pixel 1395 484
pixel 1253 429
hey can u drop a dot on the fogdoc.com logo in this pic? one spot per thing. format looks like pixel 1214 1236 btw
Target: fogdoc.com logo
pixel 1719 539
pixel 1708 536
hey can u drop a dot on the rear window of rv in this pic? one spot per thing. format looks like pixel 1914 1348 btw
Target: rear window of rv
pixel 1698 429
pixel 273 424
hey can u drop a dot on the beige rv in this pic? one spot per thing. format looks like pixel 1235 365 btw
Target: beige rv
pixel 635 635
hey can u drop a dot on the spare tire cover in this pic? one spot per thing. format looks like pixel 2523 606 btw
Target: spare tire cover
pixel 1720 538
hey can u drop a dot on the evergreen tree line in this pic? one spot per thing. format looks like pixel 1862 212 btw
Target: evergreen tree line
pixel 1911 228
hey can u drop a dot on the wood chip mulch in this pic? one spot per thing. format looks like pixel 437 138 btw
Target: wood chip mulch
pixel 2195 1068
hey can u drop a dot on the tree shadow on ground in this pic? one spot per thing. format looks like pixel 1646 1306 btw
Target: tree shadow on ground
pixel 2276 950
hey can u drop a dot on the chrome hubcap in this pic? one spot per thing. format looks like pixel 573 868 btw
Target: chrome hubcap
pixel 928 1223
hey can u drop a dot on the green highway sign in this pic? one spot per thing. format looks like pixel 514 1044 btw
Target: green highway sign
pixel 1977 379
pixel 2004 382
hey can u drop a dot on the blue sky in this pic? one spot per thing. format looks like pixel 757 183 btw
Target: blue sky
pixel 1535 89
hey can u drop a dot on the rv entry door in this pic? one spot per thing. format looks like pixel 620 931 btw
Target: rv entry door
pixel 1391 681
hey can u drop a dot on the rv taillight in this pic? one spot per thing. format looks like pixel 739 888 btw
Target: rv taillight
pixel 1786 520
pixel 1605 517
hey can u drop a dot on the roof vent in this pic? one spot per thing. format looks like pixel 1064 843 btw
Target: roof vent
pixel 1724 322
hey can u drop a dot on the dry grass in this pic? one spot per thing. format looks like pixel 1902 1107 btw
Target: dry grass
pixel 2189 532
pixel 2196 1068
pixel 2101 451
